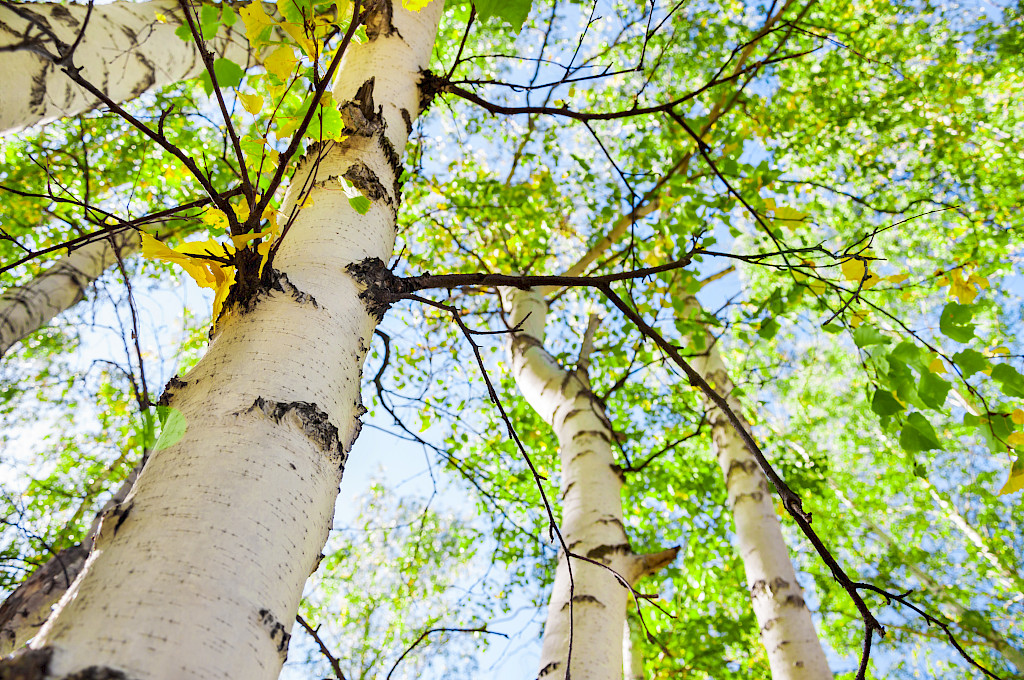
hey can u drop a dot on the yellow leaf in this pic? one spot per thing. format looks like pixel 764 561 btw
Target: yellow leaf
pixel 1018 416
pixel 853 270
pixel 857 318
pixel 216 219
pixel 298 34
pixel 161 17
pixel 817 286
pixel 255 20
pixel 960 288
pixel 979 281
pixel 1016 480
pixel 222 290
pixel 1015 439
pixel 281 62
pixel 253 103
pixel 793 217
pixel 936 366
pixel 998 351
pixel 897 278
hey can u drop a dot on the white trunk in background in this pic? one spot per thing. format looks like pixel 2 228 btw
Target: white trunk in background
pixel 24 309
pixel 787 631
pixel 591 522
pixel 198 574
pixel 632 656
pixel 126 50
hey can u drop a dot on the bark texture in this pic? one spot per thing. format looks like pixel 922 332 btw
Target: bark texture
pixel 591 524
pixel 25 309
pixel 125 50
pixel 199 572
pixel 787 631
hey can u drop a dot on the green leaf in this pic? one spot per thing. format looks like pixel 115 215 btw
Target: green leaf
pixel 933 390
pixel 832 328
pixel 184 32
pixel 512 11
pixel 955 321
pixel 885 404
pixel 209 21
pixel 173 427
pixel 908 353
pixel 228 16
pixel 1011 382
pixel 867 335
pixel 971 362
pixel 918 434
pixel 768 329
pixel 229 74
pixel 361 204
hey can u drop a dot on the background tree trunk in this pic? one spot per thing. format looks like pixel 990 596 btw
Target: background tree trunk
pixel 591 523
pixel 787 631
pixel 125 51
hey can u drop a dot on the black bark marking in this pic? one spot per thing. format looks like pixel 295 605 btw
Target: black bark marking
pixel 278 633
pixel 584 599
pixel 121 512
pixel 549 669
pixel 316 424
pixel 408 120
pixel 173 385
pixel 97 673
pixel 63 15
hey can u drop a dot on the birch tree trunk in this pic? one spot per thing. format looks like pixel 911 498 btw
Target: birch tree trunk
pixel 787 631
pixel 586 615
pixel 199 572
pixel 25 309
pixel 125 51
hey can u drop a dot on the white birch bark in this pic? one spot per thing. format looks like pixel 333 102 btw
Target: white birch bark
pixel 198 574
pixel 125 51
pixel 591 522
pixel 25 309
pixel 786 628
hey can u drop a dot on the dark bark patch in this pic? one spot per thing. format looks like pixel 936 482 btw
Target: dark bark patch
pixel 359 116
pixel 602 551
pixel 430 86
pixel 278 633
pixel 366 180
pixel 63 15
pixel 316 424
pixel 738 466
pixel 27 664
pixel 382 287
pixel 377 19
pixel 407 118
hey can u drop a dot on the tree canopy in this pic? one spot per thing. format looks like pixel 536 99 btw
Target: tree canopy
pixel 784 230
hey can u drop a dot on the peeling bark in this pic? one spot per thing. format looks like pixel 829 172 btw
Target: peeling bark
pixel 591 508
pixel 126 50
pixel 197 580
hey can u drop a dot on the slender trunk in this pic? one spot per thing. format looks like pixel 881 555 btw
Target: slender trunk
pixel 787 632
pixel 25 309
pixel 199 572
pixel 125 51
pixel 633 660
pixel 590 604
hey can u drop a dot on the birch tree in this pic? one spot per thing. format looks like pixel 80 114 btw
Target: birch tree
pixel 270 411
